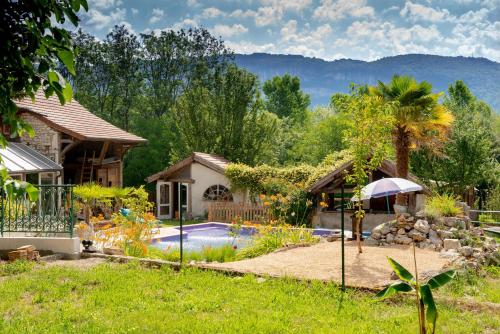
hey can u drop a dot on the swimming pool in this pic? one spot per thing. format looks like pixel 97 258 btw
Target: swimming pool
pixel 195 237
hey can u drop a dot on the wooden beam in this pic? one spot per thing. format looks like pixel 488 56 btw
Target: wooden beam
pixel 104 150
pixel 69 147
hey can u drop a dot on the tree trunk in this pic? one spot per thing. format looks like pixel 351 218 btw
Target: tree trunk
pixel 402 144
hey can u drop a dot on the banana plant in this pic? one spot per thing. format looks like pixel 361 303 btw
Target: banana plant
pixel 427 311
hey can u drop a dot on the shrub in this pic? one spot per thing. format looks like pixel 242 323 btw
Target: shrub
pixel 270 238
pixel 224 253
pixel 441 206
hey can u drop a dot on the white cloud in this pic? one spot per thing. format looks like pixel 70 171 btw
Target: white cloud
pixel 98 20
pixel 247 47
pixel 227 30
pixel 134 11
pixel 338 9
pixel 212 12
pixel 156 15
pixel 267 15
pixel 283 5
pixel 306 41
pixel 240 14
pixel 416 12
pixel 104 4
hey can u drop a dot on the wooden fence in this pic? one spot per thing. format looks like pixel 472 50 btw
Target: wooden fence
pixel 226 212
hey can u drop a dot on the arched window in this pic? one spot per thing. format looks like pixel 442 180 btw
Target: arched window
pixel 217 192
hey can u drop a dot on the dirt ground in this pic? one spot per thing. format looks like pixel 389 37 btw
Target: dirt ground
pixel 323 262
pixel 83 264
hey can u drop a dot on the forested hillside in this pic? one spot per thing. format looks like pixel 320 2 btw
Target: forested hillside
pixel 320 78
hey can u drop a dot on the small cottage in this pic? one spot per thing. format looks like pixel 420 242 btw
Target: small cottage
pixel 71 145
pixel 195 182
pixel 378 210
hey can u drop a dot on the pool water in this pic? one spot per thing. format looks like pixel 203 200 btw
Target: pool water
pixel 195 238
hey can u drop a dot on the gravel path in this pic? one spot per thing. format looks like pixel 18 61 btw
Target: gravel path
pixel 323 262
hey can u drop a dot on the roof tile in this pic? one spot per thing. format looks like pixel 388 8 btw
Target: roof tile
pixel 74 119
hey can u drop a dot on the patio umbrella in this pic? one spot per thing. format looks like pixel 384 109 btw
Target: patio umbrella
pixel 387 187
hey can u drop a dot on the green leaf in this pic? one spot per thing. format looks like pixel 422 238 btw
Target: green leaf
pixel 401 271
pixel 53 77
pixel 393 289
pixel 67 92
pixel 66 57
pixel 431 312
pixel 441 279
pixel 32 192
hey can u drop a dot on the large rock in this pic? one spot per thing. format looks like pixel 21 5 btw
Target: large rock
pixel 401 231
pixel 390 238
pixel 403 239
pixel 376 235
pixel 386 228
pixel 451 244
pixel 454 222
pixel 466 251
pixel 416 235
pixel 434 238
pixel 444 234
pixel 422 226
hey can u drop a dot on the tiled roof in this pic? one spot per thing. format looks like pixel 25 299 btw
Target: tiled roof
pixel 387 166
pixel 73 119
pixel 212 161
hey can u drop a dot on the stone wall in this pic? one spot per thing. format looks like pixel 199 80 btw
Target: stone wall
pixel 46 139
pixel 463 244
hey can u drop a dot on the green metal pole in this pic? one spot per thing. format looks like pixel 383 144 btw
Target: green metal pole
pixel 387 202
pixel 342 234
pixel 180 222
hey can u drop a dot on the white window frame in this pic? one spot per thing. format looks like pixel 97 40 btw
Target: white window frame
pixel 158 198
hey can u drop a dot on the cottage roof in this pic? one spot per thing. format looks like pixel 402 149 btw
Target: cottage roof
pixel 387 166
pixel 20 158
pixel 75 120
pixel 212 161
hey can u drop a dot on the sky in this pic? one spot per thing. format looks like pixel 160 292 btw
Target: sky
pixel 327 29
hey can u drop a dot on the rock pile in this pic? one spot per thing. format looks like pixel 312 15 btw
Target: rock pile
pixel 452 236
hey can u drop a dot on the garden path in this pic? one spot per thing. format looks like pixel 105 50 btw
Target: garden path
pixel 322 261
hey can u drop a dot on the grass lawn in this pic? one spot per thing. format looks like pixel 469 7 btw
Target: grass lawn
pixel 112 298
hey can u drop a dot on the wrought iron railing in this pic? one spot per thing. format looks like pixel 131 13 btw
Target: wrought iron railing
pixel 51 213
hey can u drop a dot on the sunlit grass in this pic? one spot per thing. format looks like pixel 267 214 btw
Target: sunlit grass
pixel 114 298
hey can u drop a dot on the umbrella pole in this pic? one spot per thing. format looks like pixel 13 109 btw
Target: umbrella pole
pixel 342 234
pixel 387 202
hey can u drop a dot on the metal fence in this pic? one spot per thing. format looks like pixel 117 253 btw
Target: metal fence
pixel 51 213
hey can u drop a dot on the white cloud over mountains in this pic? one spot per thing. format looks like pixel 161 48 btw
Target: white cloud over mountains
pixel 329 29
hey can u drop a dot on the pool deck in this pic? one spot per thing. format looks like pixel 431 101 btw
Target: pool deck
pixel 322 261
pixel 164 232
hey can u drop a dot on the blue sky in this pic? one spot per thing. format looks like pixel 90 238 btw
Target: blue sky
pixel 328 29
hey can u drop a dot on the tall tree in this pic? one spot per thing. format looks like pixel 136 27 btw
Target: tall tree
pixel 420 120
pixel 468 158
pixel 109 79
pixel 31 48
pixel 285 98
pixel 226 118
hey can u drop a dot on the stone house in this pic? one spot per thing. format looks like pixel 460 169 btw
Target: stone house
pixel 82 146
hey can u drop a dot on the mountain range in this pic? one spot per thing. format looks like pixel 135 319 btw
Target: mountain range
pixel 321 78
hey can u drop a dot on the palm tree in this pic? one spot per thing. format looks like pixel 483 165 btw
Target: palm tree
pixel 419 119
